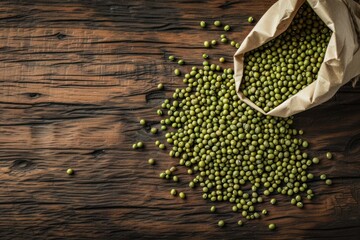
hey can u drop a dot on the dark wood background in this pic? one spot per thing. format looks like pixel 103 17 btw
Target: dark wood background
pixel 76 77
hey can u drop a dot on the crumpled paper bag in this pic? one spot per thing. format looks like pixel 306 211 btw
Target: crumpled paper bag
pixel 342 57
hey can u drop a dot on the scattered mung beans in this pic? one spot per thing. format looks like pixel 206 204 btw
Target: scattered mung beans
pixel 226 145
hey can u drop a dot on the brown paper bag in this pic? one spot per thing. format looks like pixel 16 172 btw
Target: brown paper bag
pixel 342 57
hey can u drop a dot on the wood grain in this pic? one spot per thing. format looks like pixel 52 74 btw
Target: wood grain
pixel 75 78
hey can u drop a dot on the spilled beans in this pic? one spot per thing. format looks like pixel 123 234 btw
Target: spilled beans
pixel 234 153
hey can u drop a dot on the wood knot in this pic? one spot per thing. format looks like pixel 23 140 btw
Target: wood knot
pixel 60 36
pixel 96 153
pixel 22 165
pixel 34 95
pixel 154 95
pixel 353 144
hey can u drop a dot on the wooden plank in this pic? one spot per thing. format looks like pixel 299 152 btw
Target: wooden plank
pixel 76 77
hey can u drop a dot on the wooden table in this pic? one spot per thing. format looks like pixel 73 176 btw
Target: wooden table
pixel 76 77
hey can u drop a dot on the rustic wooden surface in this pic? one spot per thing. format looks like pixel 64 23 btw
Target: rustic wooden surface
pixel 75 78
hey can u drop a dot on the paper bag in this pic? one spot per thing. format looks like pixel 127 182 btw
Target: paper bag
pixel 342 57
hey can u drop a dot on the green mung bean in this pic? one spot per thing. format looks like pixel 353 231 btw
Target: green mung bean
pixel 221 223
pixel 272 226
pixel 139 144
pixel 329 155
pixel 182 195
pixel 160 86
pixel 328 181
pixel 70 171
pixel 217 23
pixel 207 44
pixel 227 28
pixel 153 130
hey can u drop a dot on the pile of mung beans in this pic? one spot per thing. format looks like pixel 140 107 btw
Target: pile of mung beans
pixel 285 65
pixel 234 153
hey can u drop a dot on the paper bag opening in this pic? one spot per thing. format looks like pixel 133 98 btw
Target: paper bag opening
pixel 341 61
